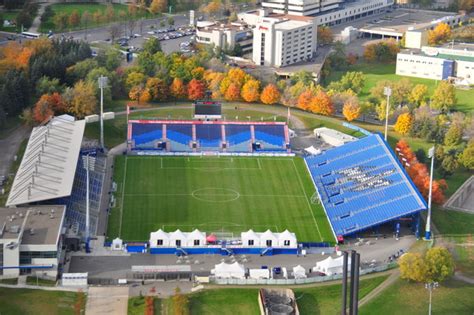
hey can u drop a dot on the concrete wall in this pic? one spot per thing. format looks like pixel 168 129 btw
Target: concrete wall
pixel 11 257
pixel 420 66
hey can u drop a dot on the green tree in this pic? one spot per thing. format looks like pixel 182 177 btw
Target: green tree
pixel 439 264
pixel 419 95
pixel 444 97
pixel 46 85
pixel 449 164
pixel 152 46
pixel 412 267
pixel 467 156
pixel 170 21
pixel 454 136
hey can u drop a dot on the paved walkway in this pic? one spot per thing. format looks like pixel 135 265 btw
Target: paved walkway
pixel 37 21
pixel 107 300
pixel 394 276
pixel 10 146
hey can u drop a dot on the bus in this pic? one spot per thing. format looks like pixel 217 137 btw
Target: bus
pixel 30 35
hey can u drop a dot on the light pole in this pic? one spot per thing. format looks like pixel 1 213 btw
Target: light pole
pixel 102 85
pixel 430 286
pixel 387 91
pixel 431 154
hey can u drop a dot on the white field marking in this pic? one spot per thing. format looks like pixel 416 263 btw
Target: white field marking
pixel 259 165
pixel 232 194
pixel 306 197
pixel 221 227
pixel 123 195
pixel 161 162
pixel 191 195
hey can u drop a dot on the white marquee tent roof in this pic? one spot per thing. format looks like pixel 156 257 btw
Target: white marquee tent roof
pixel 49 164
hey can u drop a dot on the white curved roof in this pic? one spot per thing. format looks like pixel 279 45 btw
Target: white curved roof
pixel 286 235
pixel 196 234
pixel 250 234
pixel 177 234
pixel 159 234
pixel 268 234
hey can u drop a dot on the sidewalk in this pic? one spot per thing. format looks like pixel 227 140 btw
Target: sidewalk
pixel 37 21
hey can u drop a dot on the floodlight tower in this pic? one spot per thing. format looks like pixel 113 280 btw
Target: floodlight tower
pixel 387 91
pixel 431 154
pixel 86 160
pixel 102 84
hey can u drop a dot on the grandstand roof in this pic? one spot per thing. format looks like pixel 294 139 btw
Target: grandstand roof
pixel 361 184
pixel 49 163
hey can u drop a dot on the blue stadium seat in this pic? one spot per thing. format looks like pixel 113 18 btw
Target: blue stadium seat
pixel 179 136
pixel 209 137
pixel 238 138
pixel 271 137
pixel 145 136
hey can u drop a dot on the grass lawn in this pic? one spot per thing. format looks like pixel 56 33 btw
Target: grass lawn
pixel 31 280
pixel 215 194
pixel 92 8
pixel 378 72
pixel 452 297
pixel 311 300
pixel 26 301
pixel 9 15
pixel 9 281
pixel 13 169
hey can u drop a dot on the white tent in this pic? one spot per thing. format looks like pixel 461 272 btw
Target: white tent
pixel 312 150
pixel 259 273
pixel 299 272
pixel 177 238
pixel 159 238
pixel 287 239
pixel 268 239
pixel 224 270
pixel 250 238
pixel 117 244
pixel 331 266
pixel 196 238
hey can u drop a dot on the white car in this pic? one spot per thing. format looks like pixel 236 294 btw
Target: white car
pixel 137 35
pixel 150 33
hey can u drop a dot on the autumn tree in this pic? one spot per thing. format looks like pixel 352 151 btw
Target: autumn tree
pixel 305 99
pixel 270 95
pixel 439 264
pixel 324 35
pixel 177 88
pixel 180 303
pixel 412 267
pixel 61 20
pixel 384 51
pixel 81 100
pixel 467 156
pixel 109 13
pixel 444 97
pixel 196 89
pixel 134 78
pixel 140 94
pixel 440 34
pixel 418 95
pixel 157 88
pixel 42 110
pixel 74 18
pixel 453 136
pixel 158 6
pixel 251 91
pixel 212 7
pixel 322 104
pixel 404 123
pixel 351 109
pixel 232 93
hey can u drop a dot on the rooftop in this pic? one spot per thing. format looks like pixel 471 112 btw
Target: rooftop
pixel 49 163
pixel 37 225
pixel 448 56
pixel 209 26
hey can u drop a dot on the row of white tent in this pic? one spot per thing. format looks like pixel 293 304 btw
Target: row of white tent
pixel 237 271
pixel 250 238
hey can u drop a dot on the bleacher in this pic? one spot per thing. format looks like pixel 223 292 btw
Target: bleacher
pixel 270 137
pixel 361 184
pixel 209 137
pixel 145 136
pixel 203 136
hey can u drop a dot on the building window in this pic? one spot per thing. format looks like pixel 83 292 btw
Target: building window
pixel 250 242
pixel 159 242
pixel 178 243
pixel 196 242
pixel 269 243
pixel 286 243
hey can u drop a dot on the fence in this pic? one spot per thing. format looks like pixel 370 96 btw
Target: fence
pixel 223 281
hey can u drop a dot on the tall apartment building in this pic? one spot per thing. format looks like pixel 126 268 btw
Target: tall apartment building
pixel 280 39
pixel 302 7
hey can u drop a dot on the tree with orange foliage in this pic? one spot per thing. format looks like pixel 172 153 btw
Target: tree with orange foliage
pixel 74 19
pixel 324 35
pixel 440 34
pixel 213 7
pixel 251 91
pixel 158 6
pixel 42 110
pixel 419 174
pixel 177 88
pixel 196 89
pixel 198 73
pixel 322 104
pixel 232 93
pixel 351 59
pixel 157 88
pixel 270 95
pixel 305 99
pixel 351 109
pixel 139 94
pixel 404 123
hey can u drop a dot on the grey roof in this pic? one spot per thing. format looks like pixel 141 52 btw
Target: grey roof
pixel 37 225
pixel 49 163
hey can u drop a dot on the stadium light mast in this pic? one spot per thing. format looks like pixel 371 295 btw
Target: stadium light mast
pixel 387 91
pixel 431 286
pixel 431 154
pixel 102 84
pixel 87 204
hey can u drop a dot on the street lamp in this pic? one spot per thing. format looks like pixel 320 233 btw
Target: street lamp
pixel 387 91
pixel 431 154
pixel 102 84
pixel 431 286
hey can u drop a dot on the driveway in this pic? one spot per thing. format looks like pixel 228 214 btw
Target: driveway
pixel 107 300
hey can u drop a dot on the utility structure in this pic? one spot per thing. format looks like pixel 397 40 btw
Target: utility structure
pixel 89 164
pixel 102 84
pixel 387 91
pixel 354 284
pixel 431 154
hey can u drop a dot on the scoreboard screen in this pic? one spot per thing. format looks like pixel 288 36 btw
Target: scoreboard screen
pixel 207 108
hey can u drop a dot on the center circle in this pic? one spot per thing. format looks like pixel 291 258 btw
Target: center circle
pixel 215 194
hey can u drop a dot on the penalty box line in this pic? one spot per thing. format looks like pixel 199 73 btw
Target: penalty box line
pixel 220 160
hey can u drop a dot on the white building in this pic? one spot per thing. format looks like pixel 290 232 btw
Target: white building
pixel 416 39
pixel 30 240
pixel 268 238
pixel 177 239
pixel 438 63
pixel 333 137
pixel 226 36
pixel 328 12
pixel 279 39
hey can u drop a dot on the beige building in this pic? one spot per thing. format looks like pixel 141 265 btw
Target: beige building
pixel 225 36
pixel 31 240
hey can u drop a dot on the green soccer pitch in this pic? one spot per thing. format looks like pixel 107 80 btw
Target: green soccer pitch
pixel 215 194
